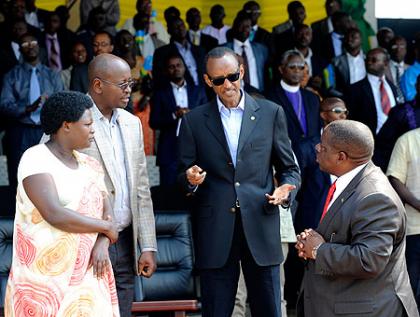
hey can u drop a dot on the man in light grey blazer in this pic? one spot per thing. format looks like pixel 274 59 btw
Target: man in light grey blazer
pixel 118 146
pixel 355 258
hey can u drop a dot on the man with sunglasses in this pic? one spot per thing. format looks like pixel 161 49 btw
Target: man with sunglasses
pixel 332 109
pixel 227 151
pixel 25 88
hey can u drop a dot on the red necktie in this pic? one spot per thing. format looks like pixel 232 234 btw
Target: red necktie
pixel 328 200
pixel 385 102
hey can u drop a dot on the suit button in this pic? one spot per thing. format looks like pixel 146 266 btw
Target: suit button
pixel 233 209
pixel 230 163
pixel 237 184
pixel 113 192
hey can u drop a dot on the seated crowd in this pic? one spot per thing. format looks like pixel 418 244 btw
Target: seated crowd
pixel 318 73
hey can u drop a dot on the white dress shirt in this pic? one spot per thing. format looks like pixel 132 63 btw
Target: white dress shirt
pixel 32 19
pixel 219 34
pixel 195 36
pixel 189 60
pixel 181 99
pixel 356 67
pixel 122 213
pixel 375 83
pixel 337 41
pixel 232 120
pixel 252 63
pixel 343 181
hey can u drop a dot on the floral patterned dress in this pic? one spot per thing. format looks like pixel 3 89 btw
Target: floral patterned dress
pixel 50 274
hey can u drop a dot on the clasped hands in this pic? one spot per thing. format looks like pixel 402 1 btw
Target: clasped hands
pixel 307 242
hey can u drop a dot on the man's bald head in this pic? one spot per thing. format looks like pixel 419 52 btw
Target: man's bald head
pixel 104 66
pixel 353 138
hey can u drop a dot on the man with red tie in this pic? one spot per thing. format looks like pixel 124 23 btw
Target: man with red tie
pixel 355 257
pixel 370 99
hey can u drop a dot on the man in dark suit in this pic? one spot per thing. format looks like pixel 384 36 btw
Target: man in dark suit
pixel 254 55
pixel 168 105
pixel 228 148
pixel 258 34
pixel 356 264
pixel 370 99
pixel 195 36
pixel 349 67
pixel 192 55
pixel 324 26
pixel 304 125
pixel 331 44
pixel 56 45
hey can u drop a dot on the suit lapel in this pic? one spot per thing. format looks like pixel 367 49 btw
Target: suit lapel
pixel 346 68
pixel 249 121
pixel 338 203
pixel 105 150
pixel 214 124
pixel 125 131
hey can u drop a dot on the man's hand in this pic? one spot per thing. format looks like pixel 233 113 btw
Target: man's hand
pixel 307 241
pixel 195 175
pixel 147 263
pixel 99 257
pixel 35 105
pixel 280 195
pixel 181 111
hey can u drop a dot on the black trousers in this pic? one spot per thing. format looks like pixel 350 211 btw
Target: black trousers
pixel 218 286
pixel 122 259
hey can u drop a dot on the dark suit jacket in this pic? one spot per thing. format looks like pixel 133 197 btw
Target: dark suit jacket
pixel 207 42
pixel 159 63
pixel 315 183
pixel 324 47
pixel 361 269
pixel 262 36
pixel 263 143
pixel 79 78
pixel 261 59
pixel 65 41
pixel 361 103
pixel 320 28
pixel 401 119
pixel 163 107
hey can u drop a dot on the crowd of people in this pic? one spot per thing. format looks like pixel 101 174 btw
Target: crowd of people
pixel 244 121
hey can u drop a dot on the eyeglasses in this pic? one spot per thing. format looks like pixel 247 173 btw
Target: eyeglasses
pixel 253 11
pixel 221 80
pixel 300 66
pixel 123 86
pixel 338 110
pixel 29 44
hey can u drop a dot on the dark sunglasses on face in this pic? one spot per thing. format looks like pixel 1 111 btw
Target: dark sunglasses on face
pixel 221 80
pixel 299 66
pixel 338 110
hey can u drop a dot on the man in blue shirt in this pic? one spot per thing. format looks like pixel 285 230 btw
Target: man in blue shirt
pixel 408 80
pixel 25 88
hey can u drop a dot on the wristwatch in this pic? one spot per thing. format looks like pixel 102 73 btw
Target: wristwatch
pixel 315 250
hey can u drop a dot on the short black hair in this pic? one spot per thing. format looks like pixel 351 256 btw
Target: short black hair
pixel 63 106
pixel 109 35
pixel 294 5
pixel 219 52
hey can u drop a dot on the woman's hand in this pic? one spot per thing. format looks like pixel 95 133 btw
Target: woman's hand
pixel 99 258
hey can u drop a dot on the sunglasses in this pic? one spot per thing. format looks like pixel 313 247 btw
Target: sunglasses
pixel 123 86
pixel 299 66
pixel 338 110
pixel 221 80
pixel 29 44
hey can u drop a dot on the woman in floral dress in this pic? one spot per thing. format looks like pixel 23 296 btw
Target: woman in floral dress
pixel 60 210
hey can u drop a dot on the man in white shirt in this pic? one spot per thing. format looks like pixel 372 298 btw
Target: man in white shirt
pixel 254 55
pixel 217 29
pixel 370 99
pixel 355 258
pixel 349 67
pixel 404 175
